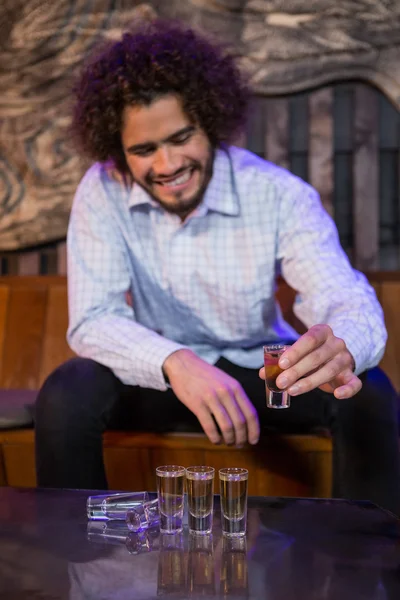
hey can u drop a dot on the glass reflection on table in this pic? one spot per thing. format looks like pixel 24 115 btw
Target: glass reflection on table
pixel 172 570
pixel 234 580
pixel 201 570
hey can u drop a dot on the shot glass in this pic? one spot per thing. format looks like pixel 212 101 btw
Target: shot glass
pixel 233 491
pixel 143 516
pixel 234 577
pixel 113 506
pixel 200 496
pixel 170 484
pixel 276 398
pixel 201 566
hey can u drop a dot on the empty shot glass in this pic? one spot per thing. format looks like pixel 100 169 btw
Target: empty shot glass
pixel 143 516
pixel 170 485
pixel 276 398
pixel 113 506
pixel 233 492
pixel 200 497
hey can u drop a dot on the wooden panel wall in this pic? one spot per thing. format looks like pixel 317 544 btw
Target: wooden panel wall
pixel 276 132
pixel 24 337
pixel 344 139
pixel 387 288
pixel 33 325
pixel 389 295
pixel 295 465
pixel 365 178
pixel 320 145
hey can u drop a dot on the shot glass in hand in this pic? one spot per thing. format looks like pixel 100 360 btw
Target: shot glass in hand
pixel 143 516
pixel 170 484
pixel 113 506
pixel 233 491
pixel 200 495
pixel 276 398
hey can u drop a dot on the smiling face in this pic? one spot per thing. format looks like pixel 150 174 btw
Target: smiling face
pixel 167 154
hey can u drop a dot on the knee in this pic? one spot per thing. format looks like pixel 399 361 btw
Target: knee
pixel 381 388
pixel 377 398
pixel 378 385
pixel 71 390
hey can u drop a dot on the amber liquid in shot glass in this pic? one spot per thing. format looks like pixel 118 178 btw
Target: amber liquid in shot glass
pixel 170 488
pixel 200 488
pixel 233 492
pixel 276 398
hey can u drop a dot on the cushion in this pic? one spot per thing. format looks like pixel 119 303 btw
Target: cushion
pixel 16 408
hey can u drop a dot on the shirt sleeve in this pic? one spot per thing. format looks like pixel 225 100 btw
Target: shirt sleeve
pixel 329 290
pixel 102 325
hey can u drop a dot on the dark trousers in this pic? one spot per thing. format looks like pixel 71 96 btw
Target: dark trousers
pixel 82 398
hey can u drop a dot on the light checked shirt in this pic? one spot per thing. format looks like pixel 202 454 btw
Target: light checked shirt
pixel 208 283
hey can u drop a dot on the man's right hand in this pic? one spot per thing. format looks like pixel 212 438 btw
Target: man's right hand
pixel 209 392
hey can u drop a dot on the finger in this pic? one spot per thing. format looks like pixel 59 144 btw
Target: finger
pixel 223 419
pixel 250 415
pixel 325 374
pixel 312 362
pixel 352 385
pixel 309 341
pixel 262 373
pixel 208 424
pixel 237 418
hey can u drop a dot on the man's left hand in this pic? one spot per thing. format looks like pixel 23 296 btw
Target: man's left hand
pixel 318 359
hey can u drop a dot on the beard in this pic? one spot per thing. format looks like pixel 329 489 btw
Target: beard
pixel 183 206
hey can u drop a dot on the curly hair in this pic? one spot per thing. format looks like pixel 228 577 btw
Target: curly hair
pixel 161 58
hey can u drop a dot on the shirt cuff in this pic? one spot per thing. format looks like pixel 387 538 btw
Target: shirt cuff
pixel 357 344
pixel 152 358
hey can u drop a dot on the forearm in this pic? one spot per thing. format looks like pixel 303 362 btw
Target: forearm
pixel 134 353
pixel 365 339
pixel 356 317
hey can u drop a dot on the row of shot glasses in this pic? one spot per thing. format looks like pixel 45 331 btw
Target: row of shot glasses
pixel 200 499
pixel 167 510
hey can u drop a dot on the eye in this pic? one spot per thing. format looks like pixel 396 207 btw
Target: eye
pixel 182 139
pixel 143 152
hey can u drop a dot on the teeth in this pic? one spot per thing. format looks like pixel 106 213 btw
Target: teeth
pixel 179 180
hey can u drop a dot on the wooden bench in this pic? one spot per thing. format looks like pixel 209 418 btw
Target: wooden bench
pixel 33 322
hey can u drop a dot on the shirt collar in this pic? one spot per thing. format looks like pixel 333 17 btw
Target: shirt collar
pixel 139 196
pixel 220 196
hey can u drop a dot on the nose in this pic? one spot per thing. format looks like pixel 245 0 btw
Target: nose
pixel 166 162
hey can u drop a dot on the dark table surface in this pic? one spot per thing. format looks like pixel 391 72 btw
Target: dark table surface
pixel 294 549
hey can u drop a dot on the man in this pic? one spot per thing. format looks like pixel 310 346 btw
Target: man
pixel 194 231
